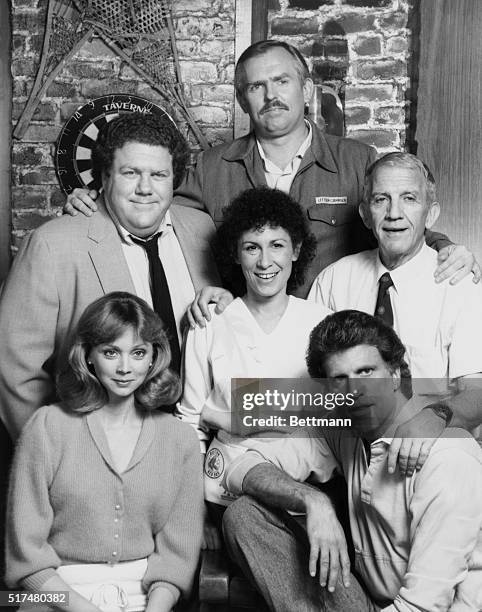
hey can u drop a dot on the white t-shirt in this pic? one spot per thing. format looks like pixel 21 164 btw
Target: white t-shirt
pixel 232 345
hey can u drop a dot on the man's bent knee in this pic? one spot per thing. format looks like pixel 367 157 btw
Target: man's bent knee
pixel 240 516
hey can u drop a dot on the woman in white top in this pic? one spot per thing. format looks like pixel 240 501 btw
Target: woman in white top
pixel 264 247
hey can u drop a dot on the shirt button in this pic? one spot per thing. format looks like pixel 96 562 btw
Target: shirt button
pixel 114 554
pixel 116 536
pixel 116 520
pixel 117 507
pixel 333 220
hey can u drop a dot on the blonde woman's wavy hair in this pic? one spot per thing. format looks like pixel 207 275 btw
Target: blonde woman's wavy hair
pixel 101 323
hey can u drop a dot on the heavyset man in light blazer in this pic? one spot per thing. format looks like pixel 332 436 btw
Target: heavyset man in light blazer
pixel 68 262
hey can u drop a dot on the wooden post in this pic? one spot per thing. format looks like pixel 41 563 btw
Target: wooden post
pixel 5 139
pixel 243 40
pixel 259 20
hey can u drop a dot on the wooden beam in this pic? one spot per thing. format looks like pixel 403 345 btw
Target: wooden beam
pixel 259 20
pixel 5 138
pixel 242 41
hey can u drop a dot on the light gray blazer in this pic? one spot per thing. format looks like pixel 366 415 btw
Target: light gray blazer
pixel 61 267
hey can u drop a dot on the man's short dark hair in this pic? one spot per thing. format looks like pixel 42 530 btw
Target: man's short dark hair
pixel 260 48
pixel 349 328
pixel 152 130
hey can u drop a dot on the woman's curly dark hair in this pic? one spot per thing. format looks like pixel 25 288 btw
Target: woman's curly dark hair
pixel 254 209
pixel 151 130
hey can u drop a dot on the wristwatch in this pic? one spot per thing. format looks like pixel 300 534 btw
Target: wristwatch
pixel 442 410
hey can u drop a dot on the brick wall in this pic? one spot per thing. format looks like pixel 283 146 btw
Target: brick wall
pixel 362 49
pixel 359 47
pixel 205 43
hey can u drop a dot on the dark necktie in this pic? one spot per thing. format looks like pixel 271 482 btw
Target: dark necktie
pixel 161 298
pixel 383 308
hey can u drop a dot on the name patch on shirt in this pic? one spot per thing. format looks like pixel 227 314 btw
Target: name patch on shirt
pixel 331 200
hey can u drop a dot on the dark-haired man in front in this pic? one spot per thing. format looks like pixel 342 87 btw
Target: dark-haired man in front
pixel 417 540
pixel 67 263
pixel 287 151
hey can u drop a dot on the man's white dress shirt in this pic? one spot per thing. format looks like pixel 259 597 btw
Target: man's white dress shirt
pixel 178 278
pixel 439 324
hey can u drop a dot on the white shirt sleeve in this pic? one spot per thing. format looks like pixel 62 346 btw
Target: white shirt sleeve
pixel 301 455
pixel 197 381
pixel 465 355
pixel 446 522
pixel 321 291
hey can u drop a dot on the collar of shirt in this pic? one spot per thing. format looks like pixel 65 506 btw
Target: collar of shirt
pixel 164 227
pixel 272 168
pixel 320 152
pixel 405 275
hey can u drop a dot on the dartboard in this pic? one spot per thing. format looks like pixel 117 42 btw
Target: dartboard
pixel 73 158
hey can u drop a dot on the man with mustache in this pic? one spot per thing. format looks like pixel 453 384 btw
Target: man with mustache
pixel 417 540
pixel 285 150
